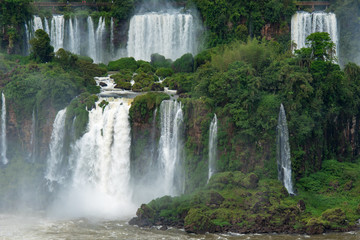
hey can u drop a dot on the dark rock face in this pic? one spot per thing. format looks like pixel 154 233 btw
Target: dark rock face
pixel 102 84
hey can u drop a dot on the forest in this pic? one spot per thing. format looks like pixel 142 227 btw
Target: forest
pixel 245 69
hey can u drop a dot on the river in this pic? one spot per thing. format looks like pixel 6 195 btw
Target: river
pixel 16 227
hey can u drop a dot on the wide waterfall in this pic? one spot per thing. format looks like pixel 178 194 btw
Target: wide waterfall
pixel 170 147
pixel 212 146
pixel 304 23
pixel 98 164
pixel 169 34
pixel 283 152
pixel 3 130
pixel 78 35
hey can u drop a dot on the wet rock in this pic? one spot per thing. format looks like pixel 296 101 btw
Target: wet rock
pixel 102 84
pixel 163 228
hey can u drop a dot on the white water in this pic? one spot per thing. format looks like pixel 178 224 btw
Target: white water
pixel 304 23
pixel 170 147
pixel 54 173
pixel 3 130
pixel 100 165
pixel 33 137
pixel 212 146
pixel 283 152
pixel 77 36
pixel 169 34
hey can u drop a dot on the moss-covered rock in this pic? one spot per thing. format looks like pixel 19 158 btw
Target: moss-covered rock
pixel 197 221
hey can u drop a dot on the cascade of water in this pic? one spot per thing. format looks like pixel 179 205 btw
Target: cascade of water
pixel 3 130
pixel 100 161
pixel 72 41
pixel 304 23
pixel 170 147
pixel 91 38
pixel 77 37
pixel 32 154
pixel 47 29
pixel 54 171
pixel 283 152
pixel 57 32
pixel 37 23
pixel 112 47
pixel 169 34
pixel 212 146
pixel 99 41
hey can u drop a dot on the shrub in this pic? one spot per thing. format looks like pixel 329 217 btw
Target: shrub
pixel 158 61
pixel 184 64
pixel 123 63
pixel 164 72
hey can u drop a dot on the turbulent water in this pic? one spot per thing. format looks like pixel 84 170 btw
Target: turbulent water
pixel 169 34
pixel 3 130
pixel 212 146
pixel 304 23
pixel 283 152
pixel 39 228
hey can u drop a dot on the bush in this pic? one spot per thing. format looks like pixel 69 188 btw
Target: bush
pixel 123 63
pixel 164 72
pixel 184 64
pixel 158 61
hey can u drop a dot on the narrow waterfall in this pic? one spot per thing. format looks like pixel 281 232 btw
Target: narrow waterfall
pixel 283 152
pixel 91 39
pixel 170 147
pixel 37 24
pixel 99 41
pixel 33 143
pixel 3 130
pixel 304 23
pixel 54 171
pixel 212 146
pixel 169 34
pixel 57 32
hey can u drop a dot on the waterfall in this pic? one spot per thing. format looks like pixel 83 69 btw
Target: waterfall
pixel 112 47
pixel 304 23
pixel 170 147
pixel 57 32
pixel 91 38
pixel 283 152
pixel 3 130
pixel 37 23
pixel 100 163
pixel 72 41
pixel 54 173
pixel 100 33
pixel 212 146
pixel 169 34
pixel 33 143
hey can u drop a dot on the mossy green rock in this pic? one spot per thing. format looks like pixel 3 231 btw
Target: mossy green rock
pixel 199 222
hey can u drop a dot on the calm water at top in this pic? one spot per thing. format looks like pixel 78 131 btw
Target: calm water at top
pixel 20 227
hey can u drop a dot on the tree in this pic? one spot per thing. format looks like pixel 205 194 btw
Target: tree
pixel 321 45
pixel 41 50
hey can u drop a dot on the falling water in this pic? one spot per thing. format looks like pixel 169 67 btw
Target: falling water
pixel 57 32
pixel 170 147
pixel 3 131
pixel 169 34
pixel 283 152
pixel 54 171
pixel 33 143
pixel 304 23
pixel 99 34
pixel 212 146
pixel 100 164
pixel 91 37
pixel 37 23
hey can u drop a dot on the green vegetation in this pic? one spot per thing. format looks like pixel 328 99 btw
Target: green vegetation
pixel 41 50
